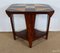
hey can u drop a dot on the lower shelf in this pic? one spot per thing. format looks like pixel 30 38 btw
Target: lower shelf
pixel 37 34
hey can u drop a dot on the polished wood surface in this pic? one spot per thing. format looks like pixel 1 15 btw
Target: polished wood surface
pixel 30 11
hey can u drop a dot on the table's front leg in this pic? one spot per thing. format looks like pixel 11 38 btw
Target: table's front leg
pixel 12 24
pixel 30 22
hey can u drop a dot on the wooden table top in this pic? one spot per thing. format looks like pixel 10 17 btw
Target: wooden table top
pixel 29 8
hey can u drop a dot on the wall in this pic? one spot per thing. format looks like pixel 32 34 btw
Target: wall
pixel 19 20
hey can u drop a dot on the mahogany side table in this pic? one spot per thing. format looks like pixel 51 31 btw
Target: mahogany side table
pixel 30 11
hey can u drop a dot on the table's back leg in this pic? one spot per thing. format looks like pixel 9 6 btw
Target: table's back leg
pixel 48 23
pixel 12 24
pixel 30 22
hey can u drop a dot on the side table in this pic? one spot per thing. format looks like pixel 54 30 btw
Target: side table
pixel 30 11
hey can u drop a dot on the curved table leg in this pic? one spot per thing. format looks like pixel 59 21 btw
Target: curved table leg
pixel 12 24
pixel 30 22
pixel 48 23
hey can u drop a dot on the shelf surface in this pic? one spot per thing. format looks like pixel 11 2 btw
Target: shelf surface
pixel 37 34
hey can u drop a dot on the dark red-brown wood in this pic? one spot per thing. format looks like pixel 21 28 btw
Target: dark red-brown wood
pixel 30 33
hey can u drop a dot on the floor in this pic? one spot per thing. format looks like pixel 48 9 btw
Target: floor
pixel 8 45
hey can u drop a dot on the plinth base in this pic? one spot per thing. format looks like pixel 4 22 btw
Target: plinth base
pixel 37 34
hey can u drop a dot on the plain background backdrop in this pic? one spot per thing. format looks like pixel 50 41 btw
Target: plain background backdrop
pixel 19 20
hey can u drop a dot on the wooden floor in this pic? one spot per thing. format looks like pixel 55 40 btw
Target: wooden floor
pixel 8 45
